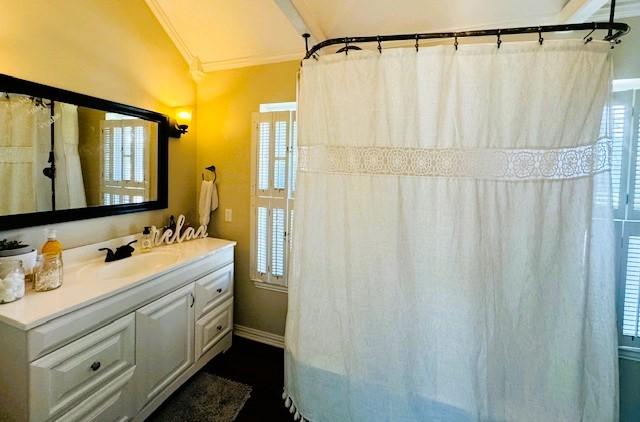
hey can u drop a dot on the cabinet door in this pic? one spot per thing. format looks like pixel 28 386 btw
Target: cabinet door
pixel 164 342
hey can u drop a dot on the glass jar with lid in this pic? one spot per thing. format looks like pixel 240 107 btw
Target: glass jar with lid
pixel 11 280
pixel 48 272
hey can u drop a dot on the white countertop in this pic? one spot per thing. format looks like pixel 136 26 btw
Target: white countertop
pixel 79 289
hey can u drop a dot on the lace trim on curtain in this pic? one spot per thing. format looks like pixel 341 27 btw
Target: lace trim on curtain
pixel 498 164
pixel 16 155
pixel 289 404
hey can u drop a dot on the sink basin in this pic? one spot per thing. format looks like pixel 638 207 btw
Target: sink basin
pixel 136 265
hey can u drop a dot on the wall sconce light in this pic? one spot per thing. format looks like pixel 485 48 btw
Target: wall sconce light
pixel 180 125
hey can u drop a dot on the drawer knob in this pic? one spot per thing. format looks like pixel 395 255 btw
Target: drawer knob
pixel 219 290
pixel 95 366
pixel 219 327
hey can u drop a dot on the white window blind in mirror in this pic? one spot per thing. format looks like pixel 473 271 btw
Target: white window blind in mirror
pixel 274 160
pixel 125 161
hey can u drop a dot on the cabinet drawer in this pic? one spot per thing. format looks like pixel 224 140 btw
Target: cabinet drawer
pixel 70 374
pixel 109 404
pixel 213 289
pixel 213 326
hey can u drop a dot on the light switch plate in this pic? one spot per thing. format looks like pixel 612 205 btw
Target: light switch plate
pixel 228 215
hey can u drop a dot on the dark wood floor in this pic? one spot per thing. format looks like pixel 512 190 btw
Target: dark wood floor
pixel 260 366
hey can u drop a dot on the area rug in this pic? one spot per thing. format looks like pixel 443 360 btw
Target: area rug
pixel 204 398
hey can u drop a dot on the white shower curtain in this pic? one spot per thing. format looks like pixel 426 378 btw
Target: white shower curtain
pixel 25 142
pixel 69 181
pixel 452 260
pixel 24 145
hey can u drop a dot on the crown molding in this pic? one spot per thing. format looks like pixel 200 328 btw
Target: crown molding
pixel 216 65
pixel 197 68
pixel 170 30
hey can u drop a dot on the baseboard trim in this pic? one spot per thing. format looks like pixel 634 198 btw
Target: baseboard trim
pixel 258 335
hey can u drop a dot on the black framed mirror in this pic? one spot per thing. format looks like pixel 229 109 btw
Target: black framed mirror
pixel 67 156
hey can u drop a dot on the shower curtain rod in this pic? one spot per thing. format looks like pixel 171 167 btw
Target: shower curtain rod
pixel 619 28
pixel 611 26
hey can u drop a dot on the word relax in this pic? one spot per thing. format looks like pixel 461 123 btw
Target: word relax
pixel 168 236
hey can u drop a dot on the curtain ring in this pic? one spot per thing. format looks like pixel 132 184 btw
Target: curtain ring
pixel 379 45
pixel 588 38
pixel 416 43
pixel 499 40
pixel 540 39
pixel 455 41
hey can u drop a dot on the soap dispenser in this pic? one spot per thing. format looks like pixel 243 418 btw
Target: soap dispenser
pixel 52 245
pixel 49 268
pixel 146 242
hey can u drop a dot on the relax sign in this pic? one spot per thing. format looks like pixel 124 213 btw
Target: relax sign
pixel 168 236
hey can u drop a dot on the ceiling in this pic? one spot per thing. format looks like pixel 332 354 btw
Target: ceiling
pixel 624 9
pixel 223 34
pixel 338 18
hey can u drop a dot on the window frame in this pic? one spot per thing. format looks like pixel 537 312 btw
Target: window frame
pixel 121 187
pixel 272 197
pixel 626 218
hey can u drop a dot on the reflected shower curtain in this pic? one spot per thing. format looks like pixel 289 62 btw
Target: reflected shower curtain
pixel 69 181
pixel 24 145
pixel 453 247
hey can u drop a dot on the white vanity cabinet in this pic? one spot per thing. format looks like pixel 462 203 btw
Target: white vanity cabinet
pixel 120 356
pixel 164 344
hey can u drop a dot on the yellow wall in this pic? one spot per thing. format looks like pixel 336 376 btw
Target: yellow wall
pixel 110 49
pixel 89 149
pixel 225 102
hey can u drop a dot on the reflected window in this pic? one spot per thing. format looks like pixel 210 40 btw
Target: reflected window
pixel 125 160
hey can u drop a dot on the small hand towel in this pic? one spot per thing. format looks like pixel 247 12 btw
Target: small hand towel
pixel 214 197
pixel 204 204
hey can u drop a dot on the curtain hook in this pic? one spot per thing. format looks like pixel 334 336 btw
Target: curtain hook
pixel 346 46
pixel 455 41
pixel 540 39
pixel 379 45
pixel 499 40
pixel 588 38
pixel 416 43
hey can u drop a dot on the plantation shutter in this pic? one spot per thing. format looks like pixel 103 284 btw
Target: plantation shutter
pixel 626 128
pixel 125 161
pixel 634 130
pixel 272 197
pixel 293 166
pixel 630 273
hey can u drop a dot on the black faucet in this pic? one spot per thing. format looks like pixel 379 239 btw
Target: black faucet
pixel 122 252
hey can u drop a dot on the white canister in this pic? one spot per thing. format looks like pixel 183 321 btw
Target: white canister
pixel 27 255
pixel 11 281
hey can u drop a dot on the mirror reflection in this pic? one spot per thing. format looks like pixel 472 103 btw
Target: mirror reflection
pixel 56 156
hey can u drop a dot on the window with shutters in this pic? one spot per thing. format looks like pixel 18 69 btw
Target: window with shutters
pixel 624 126
pixel 124 160
pixel 274 161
